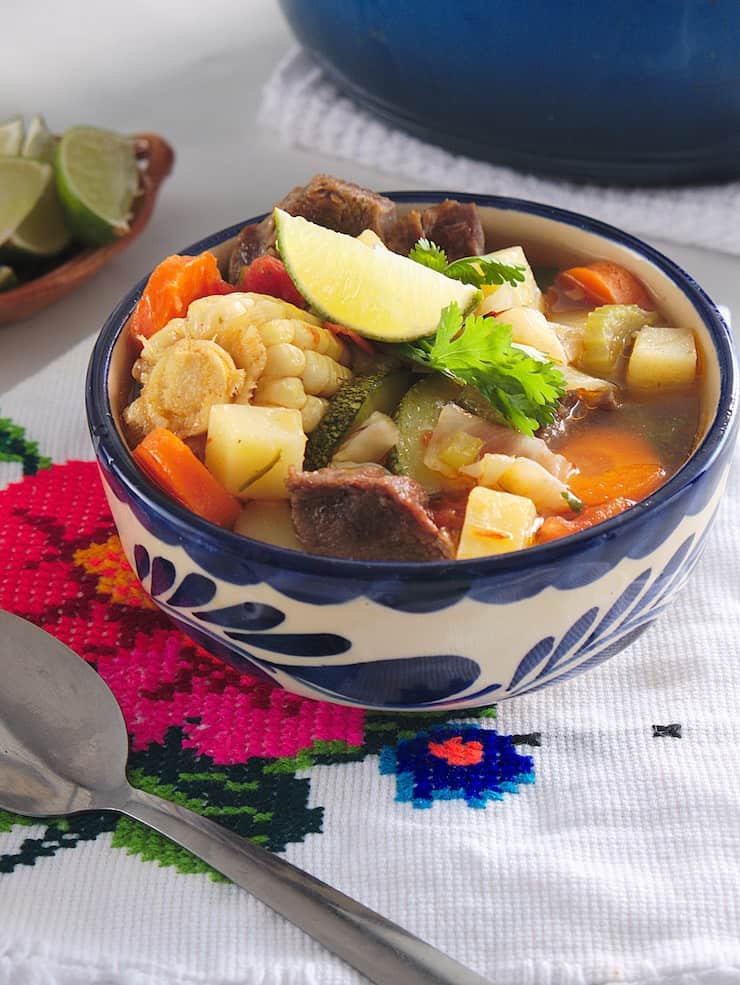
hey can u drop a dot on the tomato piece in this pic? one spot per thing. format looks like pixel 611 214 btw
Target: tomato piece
pixel 350 334
pixel 267 275
pixel 173 284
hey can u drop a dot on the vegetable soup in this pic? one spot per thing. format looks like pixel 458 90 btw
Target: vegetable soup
pixel 377 385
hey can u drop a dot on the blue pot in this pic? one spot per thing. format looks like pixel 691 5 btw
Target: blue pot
pixel 610 92
pixel 437 635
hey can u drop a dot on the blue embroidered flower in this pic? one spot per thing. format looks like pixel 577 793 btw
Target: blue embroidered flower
pixel 449 762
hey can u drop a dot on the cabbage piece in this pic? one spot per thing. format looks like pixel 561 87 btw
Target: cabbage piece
pixel 495 438
pixel 371 442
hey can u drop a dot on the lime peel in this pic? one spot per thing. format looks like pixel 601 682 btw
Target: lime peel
pixel 97 180
pixel 379 294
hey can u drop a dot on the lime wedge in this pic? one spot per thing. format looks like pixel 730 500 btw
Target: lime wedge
pixel 7 278
pixel 379 294
pixel 43 233
pixel 97 179
pixel 40 141
pixel 11 136
pixel 22 183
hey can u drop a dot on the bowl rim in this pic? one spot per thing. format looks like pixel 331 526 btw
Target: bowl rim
pixel 113 453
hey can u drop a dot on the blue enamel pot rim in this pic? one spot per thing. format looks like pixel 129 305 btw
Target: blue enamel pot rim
pixel 115 456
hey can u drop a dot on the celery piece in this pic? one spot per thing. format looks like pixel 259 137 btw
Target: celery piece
pixel 463 449
pixel 609 329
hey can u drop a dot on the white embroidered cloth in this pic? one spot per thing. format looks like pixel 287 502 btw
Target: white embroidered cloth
pixel 620 863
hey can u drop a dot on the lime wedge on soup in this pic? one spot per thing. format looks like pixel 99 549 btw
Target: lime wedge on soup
pixel 379 294
pixel 39 141
pixel 22 183
pixel 11 136
pixel 97 179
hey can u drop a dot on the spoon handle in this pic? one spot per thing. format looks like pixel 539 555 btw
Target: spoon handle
pixel 384 952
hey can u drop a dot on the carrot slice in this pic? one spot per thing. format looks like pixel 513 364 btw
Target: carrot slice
pixel 172 466
pixel 555 527
pixel 173 284
pixel 612 464
pixel 633 482
pixel 350 334
pixel 606 283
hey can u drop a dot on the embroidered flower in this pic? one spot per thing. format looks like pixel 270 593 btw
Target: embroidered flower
pixel 449 762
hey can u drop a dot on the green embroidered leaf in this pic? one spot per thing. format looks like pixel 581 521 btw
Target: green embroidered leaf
pixel 9 821
pixel 15 447
pixel 59 833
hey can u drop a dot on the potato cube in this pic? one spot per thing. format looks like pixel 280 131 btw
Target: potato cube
pixel 250 449
pixel 662 357
pixel 495 523
pixel 499 297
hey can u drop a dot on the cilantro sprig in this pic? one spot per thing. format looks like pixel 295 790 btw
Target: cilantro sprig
pixel 479 352
pixel 470 270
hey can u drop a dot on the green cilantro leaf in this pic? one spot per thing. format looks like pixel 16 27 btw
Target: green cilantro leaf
pixel 429 255
pixel 470 270
pixel 479 352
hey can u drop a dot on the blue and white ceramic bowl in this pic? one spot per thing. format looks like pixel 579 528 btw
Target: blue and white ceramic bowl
pixel 434 635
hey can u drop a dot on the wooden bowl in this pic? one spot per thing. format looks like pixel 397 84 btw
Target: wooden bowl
pixel 155 157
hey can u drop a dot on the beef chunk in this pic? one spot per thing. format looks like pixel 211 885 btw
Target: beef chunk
pixel 404 232
pixel 330 202
pixel 456 227
pixel 342 206
pixel 365 514
pixel 348 208
pixel 254 241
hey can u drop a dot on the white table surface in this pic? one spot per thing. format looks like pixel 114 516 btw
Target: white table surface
pixel 192 73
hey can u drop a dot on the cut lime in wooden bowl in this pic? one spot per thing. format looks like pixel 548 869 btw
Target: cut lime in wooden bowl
pixel 42 235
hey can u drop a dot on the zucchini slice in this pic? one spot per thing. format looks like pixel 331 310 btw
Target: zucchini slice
pixel 351 406
pixel 416 416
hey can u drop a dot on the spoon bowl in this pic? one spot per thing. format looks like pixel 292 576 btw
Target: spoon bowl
pixel 63 741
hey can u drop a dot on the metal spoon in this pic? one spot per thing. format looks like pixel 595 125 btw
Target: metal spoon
pixel 63 749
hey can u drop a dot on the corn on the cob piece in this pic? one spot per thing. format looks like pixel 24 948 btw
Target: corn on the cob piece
pixel 305 335
pixel 303 367
pixel 287 392
pixel 283 359
pixel 312 412
pixel 231 320
pixel 189 377
pixel 277 331
pixel 323 375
